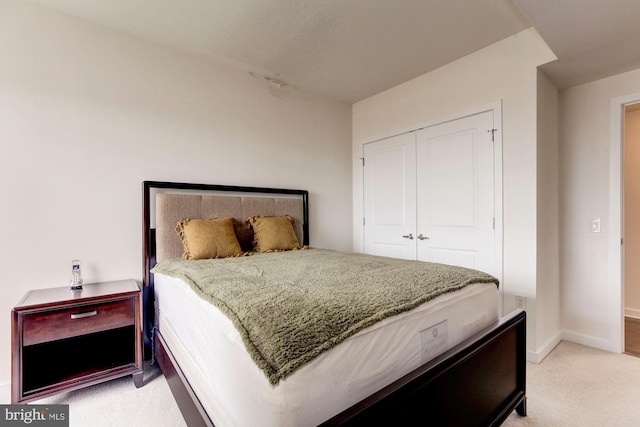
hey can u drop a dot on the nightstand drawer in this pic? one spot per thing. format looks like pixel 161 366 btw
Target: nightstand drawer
pixel 59 324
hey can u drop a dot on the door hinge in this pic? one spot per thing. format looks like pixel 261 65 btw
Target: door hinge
pixel 363 221
pixel 493 133
pixel 362 158
pixel 494 223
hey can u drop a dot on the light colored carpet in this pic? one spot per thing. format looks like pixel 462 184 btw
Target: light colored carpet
pixel 119 403
pixel 582 387
pixel 574 386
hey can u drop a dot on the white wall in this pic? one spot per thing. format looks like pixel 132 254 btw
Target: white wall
pixel 585 178
pixel 505 71
pixel 87 114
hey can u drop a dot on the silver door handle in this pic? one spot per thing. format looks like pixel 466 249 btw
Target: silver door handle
pixel 421 237
pixel 408 236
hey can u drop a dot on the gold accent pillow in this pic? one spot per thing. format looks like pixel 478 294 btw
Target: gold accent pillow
pixel 208 238
pixel 273 233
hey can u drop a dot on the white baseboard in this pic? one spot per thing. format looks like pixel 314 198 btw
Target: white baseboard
pixel 632 312
pixel 586 340
pixel 538 356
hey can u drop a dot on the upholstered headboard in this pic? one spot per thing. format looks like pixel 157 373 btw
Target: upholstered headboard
pixel 165 203
pixel 170 208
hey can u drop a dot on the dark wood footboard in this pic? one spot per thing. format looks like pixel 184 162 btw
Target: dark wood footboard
pixel 477 383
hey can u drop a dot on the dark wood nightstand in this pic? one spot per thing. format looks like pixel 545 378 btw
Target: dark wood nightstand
pixel 64 340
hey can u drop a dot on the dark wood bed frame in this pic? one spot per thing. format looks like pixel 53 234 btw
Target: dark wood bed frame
pixel 479 382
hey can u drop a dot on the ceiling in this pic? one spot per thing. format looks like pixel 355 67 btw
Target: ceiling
pixel 591 38
pixel 351 49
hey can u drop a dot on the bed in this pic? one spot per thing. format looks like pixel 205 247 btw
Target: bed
pixel 468 369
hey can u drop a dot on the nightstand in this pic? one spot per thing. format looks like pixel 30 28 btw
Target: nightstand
pixel 64 340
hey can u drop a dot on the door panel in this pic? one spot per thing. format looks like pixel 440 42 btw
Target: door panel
pixel 464 258
pixel 448 172
pixel 455 197
pixel 389 197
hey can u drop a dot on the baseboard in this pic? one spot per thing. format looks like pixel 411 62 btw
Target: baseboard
pixel 586 340
pixel 5 393
pixel 538 356
pixel 631 312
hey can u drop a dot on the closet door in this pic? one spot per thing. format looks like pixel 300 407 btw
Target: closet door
pixel 390 197
pixel 455 193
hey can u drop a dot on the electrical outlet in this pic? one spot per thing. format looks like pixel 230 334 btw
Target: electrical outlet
pixel 595 225
pixel 521 302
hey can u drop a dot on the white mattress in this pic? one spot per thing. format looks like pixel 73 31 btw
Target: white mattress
pixel 235 392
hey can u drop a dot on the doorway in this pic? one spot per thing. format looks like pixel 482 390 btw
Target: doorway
pixel 631 228
pixel 616 260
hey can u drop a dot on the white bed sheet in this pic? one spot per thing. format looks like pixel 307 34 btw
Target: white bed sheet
pixel 235 392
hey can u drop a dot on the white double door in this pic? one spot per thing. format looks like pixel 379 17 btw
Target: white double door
pixel 429 194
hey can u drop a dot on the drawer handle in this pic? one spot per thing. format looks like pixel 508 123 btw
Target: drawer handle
pixel 83 315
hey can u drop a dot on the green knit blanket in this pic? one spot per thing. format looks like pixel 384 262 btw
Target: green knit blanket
pixel 291 306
